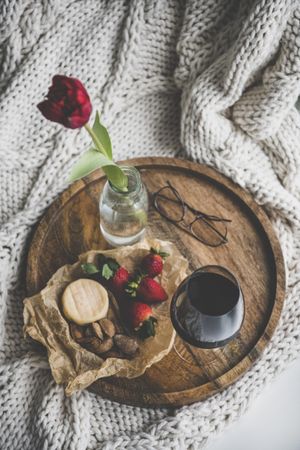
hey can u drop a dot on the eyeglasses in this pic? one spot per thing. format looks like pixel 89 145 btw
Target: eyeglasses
pixel 208 229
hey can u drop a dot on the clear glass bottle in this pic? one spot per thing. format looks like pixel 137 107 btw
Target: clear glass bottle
pixel 123 215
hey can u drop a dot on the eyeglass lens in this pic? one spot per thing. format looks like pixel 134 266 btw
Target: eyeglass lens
pixel 169 204
pixel 210 234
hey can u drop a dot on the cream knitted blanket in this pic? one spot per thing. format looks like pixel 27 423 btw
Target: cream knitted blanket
pixel 214 79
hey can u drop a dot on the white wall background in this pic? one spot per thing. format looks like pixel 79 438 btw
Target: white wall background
pixel 273 420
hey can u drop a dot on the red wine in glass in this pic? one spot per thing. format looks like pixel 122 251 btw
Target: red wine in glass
pixel 207 309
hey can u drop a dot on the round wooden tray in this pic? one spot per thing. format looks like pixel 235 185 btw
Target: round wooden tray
pixel 71 226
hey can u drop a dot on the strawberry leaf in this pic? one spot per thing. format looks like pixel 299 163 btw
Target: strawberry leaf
pixel 89 268
pixel 164 254
pixel 147 329
pixel 113 264
pixel 158 252
pixel 107 273
pixel 131 288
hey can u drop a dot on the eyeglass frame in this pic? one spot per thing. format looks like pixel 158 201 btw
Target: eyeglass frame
pixel 199 215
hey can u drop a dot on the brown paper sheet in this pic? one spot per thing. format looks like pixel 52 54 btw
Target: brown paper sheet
pixel 71 364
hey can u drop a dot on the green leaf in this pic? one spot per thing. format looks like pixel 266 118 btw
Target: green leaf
pixel 141 215
pixel 131 288
pixel 164 254
pixel 107 273
pixel 147 329
pixel 158 252
pixel 116 176
pixel 92 160
pixel 102 135
pixel 113 264
pixel 89 268
pixel 109 268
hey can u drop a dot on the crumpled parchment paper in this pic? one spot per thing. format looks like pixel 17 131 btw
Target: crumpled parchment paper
pixel 71 364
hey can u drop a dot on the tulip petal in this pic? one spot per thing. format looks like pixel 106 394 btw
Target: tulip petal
pixel 62 80
pixel 81 97
pixel 51 111
pixel 56 93
pixel 75 122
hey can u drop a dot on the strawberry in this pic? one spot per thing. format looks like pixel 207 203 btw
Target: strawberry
pixel 152 264
pixel 151 291
pixel 119 280
pixel 141 319
pixel 147 290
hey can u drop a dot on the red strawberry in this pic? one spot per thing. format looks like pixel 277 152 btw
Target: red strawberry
pixel 119 281
pixel 141 319
pixel 152 264
pixel 150 290
pixel 147 290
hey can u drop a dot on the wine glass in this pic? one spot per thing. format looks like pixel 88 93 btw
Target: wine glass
pixel 207 309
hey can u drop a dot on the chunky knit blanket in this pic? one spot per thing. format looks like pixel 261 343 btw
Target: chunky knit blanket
pixel 211 80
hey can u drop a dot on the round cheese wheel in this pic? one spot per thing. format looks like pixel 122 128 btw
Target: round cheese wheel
pixel 85 301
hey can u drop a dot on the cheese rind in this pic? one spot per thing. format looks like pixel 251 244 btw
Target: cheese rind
pixel 85 301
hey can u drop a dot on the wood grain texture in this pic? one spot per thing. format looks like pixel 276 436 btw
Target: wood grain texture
pixel 253 254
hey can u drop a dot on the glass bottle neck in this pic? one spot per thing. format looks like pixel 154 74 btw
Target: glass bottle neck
pixel 134 182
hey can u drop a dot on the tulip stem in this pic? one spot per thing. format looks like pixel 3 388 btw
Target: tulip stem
pixel 96 140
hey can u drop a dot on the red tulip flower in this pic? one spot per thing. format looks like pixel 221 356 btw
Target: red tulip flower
pixel 68 102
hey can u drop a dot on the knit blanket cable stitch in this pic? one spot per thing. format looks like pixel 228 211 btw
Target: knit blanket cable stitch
pixel 215 81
